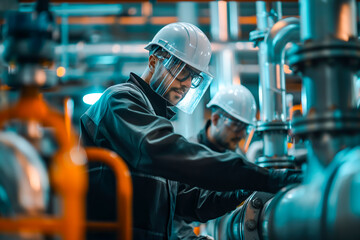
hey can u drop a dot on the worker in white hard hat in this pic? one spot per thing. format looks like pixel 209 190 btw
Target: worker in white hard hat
pixel 133 120
pixel 232 120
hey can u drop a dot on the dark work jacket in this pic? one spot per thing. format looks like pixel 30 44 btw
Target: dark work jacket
pixel 184 231
pixel 132 120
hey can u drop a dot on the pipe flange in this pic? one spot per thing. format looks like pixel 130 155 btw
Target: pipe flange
pixel 249 217
pixel 335 121
pixel 257 36
pixel 272 126
pixel 329 51
pixel 276 162
pixel 267 214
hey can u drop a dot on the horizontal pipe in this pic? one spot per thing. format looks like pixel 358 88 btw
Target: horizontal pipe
pixel 34 224
pixel 102 226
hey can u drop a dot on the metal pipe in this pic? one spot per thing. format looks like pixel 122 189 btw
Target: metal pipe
pixel 278 36
pixel 335 20
pixel 335 23
pixel 262 16
pixel 234 28
pixel 273 86
pixel 64 42
pixel 328 59
pixel 272 40
pixel 224 31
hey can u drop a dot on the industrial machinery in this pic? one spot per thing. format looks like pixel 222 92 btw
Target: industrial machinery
pixel 326 205
pixel 39 198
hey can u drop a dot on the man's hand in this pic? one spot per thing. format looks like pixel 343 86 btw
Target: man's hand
pixel 280 178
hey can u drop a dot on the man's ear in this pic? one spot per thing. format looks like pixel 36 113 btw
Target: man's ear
pixel 215 119
pixel 152 63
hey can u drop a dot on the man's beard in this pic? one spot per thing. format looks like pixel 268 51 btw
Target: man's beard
pixel 180 91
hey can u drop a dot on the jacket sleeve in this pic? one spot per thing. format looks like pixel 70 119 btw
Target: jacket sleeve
pixel 148 144
pixel 195 204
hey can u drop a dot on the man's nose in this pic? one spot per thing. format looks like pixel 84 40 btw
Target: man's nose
pixel 186 83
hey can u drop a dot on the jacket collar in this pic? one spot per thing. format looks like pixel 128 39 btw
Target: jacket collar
pixel 203 139
pixel 161 106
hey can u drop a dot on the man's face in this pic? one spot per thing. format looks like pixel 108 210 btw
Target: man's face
pixel 229 132
pixel 178 89
pixel 173 79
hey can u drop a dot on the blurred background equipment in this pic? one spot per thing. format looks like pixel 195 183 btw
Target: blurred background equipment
pixel 29 51
pixel 259 44
pixel 43 180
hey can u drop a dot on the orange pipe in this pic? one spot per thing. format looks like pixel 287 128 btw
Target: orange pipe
pixel 67 170
pixel 103 226
pixel 293 109
pixel 123 189
pixel 44 225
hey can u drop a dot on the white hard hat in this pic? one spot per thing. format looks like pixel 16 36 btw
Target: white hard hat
pixel 186 42
pixel 236 101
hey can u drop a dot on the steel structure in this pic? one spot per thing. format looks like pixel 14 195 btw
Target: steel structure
pixel 325 205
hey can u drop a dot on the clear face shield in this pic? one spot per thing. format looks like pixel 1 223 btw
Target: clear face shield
pixel 243 131
pixel 177 82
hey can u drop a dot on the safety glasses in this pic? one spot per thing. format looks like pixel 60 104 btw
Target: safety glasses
pixel 235 124
pixel 186 73
pixel 172 66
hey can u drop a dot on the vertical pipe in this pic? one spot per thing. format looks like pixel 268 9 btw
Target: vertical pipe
pixel 262 25
pixel 234 27
pixel 272 40
pixel 68 114
pixel 327 58
pixel 329 85
pixel 336 19
pixel 262 15
pixel 64 41
pixel 224 28
pixel 272 78
pixel 278 7
pixel 283 32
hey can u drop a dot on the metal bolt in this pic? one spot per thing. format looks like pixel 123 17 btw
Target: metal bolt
pixel 250 225
pixel 257 203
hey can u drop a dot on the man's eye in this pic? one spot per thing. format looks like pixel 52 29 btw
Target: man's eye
pixel 184 75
